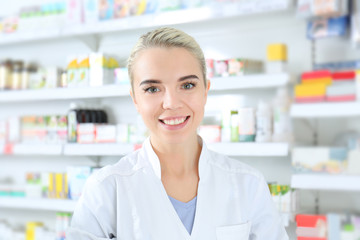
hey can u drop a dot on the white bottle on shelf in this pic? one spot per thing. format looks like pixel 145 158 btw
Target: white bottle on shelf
pixel 281 117
pixel 263 122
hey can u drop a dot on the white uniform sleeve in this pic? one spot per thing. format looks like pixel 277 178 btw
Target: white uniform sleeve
pixel 94 216
pixel 266 219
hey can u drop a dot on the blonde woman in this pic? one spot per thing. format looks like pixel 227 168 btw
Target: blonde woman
pixel 174 188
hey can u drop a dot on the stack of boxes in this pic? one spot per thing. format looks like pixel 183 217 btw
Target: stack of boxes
pixel 331 226
pixel 319 86
pixel 313 86
pixel 343 87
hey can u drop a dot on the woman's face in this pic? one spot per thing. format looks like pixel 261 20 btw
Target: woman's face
pixel 169 93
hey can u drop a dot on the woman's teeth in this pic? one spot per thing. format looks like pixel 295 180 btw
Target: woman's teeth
pixel 174 121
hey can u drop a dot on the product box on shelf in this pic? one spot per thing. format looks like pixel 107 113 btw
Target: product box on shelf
pixel 58 185
pixel 121 76
pixel 86 133
pixel 122 133
pixel 52 77
pixel 322 28
pixel 91 11
pixel 320 159
pixel 84 71
pixel 72 71
pixel 210 133
pixel 33 188
pixel 105 133
pixel 210 70
pixel 77 176
pixel 74 12
pixel 106 9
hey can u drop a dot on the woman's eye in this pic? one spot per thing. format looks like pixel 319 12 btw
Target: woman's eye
pixel 188 86
pixel 152 90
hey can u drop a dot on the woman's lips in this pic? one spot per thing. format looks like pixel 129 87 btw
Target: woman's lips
pixel 174 123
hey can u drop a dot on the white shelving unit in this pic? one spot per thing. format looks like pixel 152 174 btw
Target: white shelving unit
pixel 109 91
pixel 106 91
pixel 118 149
pixel 103 149
pixel 55 205
pixel 325 110
pixel 326 182
pixel 251 149
pixel 215 11
pixel 37 149
pixel 250 81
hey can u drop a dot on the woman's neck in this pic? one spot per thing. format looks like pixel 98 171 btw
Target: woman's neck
pixel 179 159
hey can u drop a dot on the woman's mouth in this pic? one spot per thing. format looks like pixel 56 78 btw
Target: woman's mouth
pixel 177 122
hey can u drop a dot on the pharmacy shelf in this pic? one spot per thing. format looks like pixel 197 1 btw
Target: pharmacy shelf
pixel 324 110
pixel 105 91
pixel 108 91
pixel 206 13
pixel 100 149
pixel 55 205
pixel 37 149
pixel 250 81
pixel 326 182
pixel 31 149
pixel 251 149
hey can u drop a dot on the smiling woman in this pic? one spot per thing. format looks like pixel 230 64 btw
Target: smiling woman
pixel 174 187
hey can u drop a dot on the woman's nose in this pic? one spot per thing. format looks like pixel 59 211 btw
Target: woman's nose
pixel 172 100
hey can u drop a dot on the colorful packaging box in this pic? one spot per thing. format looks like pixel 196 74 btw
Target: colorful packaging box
pixel 105 133
pixel 86 133
pixel 210 70
pixel 77 176
pixel 319 159
pixel 210 133
pixel 221 68
pixel 106 9
pixel 83 71
pixel 277 52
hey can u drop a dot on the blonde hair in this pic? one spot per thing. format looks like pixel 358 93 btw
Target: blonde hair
pixel 166 37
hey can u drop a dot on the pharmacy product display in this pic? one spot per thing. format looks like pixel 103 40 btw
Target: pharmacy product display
pixel 19 75
pixel 94 70
pixel 49 185
pixel 331 226
pixel 270 122
pixel 323 85
pixel 276 58
pixel 232 67
pixel 284 197
pixel 37 230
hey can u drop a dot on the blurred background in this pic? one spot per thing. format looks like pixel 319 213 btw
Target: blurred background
pixel 284 98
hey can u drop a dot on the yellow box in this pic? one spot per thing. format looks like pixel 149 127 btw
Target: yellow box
pixel 310 90
pixel 325 80
pixel 59 185
pixel 52 192
pixel 30 229
pixel 277 52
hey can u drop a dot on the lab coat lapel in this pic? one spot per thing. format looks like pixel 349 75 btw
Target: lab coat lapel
pixel 169 208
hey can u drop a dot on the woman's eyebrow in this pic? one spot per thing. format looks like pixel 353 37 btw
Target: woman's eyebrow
pixel 149 81
pixel 187 77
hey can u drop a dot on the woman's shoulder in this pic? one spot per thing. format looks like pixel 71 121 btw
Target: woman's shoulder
pixel 231 165
pixel 126 166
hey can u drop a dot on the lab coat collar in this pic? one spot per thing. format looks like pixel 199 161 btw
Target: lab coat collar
pixel 155 162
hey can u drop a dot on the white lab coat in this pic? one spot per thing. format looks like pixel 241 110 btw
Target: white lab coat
pixel 129 200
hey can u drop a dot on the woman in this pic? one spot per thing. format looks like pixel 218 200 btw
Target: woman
pixel 174 187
